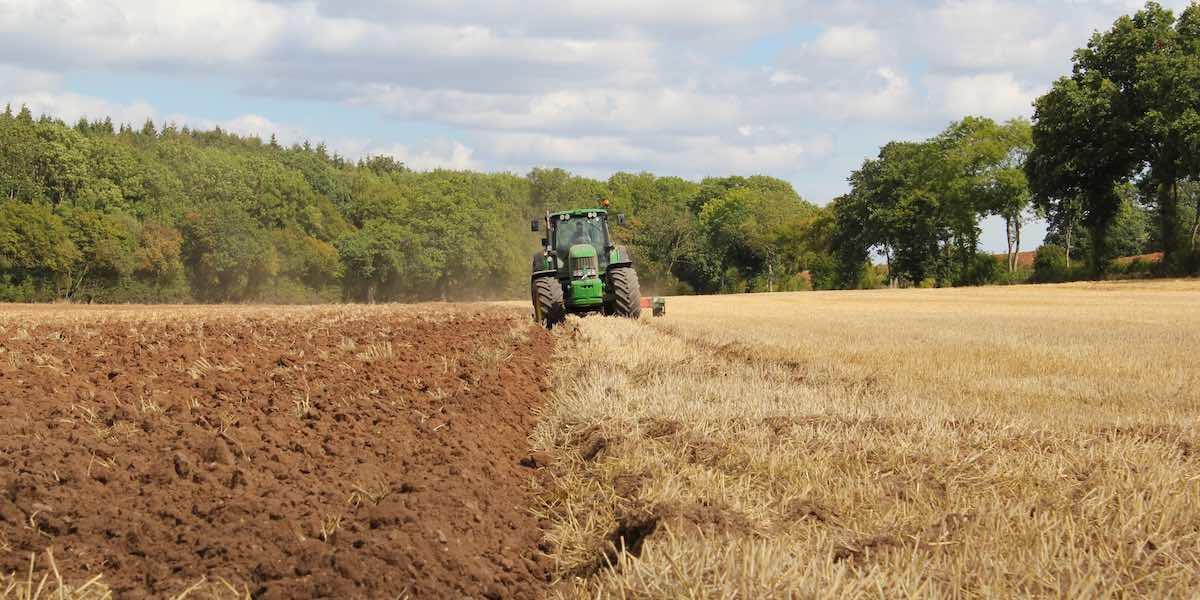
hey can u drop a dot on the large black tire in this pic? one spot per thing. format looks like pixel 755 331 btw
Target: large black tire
pixel 627 295
pixel 548 307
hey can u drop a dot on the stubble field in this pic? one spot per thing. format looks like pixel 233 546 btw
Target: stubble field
pixel 994 442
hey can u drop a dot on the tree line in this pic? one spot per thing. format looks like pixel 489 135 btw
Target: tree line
pixel 1110 161
pixel 1125 123
pixel 97 211
pixel 112 213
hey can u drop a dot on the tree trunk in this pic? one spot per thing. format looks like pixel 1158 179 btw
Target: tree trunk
pixel 1016 242
pixel 1099 250
pixel 1008 237
pixel 968 246
pixel 74 284
pixel 1070 228
pixel 1195 237
pixel 443 285
pixel 1196 224
pixel 887 257
pixel 1168 210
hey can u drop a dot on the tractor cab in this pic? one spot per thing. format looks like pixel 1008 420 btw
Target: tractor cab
pixel 569 229
pixel 588 229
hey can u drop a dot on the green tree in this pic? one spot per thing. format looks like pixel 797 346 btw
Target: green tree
pixel 1129 234
pixel 107 243
pixel 226 252
pixel 754 232
pixel 61 164
pixel 36 251
pixel 854 234
pixel 159 256
pixel 1129 108
pixel 556 189
pixel 1050 265
pixel 378 257
pixel 992 161
pixel 1080 154
pixel 898 201
pixel 306 259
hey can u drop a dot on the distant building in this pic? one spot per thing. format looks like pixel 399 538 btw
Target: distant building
pixel 1024 259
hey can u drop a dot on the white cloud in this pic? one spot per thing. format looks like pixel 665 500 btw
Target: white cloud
pixel 579 110
pixel 882 93
pixel 992 34
pixel 143 31
pixel 296 40
pixel 710 13
pixel 678 18
pixel 693 156
pixel 436 154
pixel 786 77
pixel 849 42
pixel 70 107
pixel 15 79
pixel 996 95
pixel 889 100
pixel 246 125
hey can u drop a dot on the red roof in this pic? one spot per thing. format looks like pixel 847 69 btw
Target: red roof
pixel 1024 259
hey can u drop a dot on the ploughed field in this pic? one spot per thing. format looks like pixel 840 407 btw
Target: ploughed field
pixel 266 451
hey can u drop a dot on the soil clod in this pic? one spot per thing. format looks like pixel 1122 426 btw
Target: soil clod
pixel 263 450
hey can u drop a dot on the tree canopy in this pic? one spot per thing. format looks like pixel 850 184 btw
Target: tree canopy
pixel 1127 113
pixel 97 212
pixel 919 204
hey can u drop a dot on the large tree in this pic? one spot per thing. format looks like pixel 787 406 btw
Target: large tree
pixel 1082 149
pixel 1129 109
pixel 984 175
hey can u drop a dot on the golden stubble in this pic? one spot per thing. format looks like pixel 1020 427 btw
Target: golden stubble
pixel 1032 440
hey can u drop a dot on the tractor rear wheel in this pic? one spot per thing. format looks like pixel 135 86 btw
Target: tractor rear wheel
pixel 548 307
pixel 627 295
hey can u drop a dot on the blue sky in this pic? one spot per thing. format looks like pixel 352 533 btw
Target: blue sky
pixel 799 90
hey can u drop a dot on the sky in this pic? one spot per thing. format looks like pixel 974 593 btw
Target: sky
pixel 800 90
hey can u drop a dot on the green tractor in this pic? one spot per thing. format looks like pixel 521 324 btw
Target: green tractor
pixel 579 269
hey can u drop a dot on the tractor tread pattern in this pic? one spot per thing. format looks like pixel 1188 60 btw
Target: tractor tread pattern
pixel 627 295
pixel 548 302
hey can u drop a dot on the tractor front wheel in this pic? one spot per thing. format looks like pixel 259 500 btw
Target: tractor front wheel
pixel 626 293
pixel 548 307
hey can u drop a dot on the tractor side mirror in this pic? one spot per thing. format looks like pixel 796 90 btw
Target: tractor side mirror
pixel 545 242
pixel 620 218
pixel 534 225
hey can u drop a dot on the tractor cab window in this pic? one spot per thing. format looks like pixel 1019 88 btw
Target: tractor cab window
pixel 580 230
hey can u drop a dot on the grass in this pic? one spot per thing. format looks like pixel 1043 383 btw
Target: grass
pixel 1015 441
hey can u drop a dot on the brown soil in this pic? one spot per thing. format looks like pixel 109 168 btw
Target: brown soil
pixel 295 453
